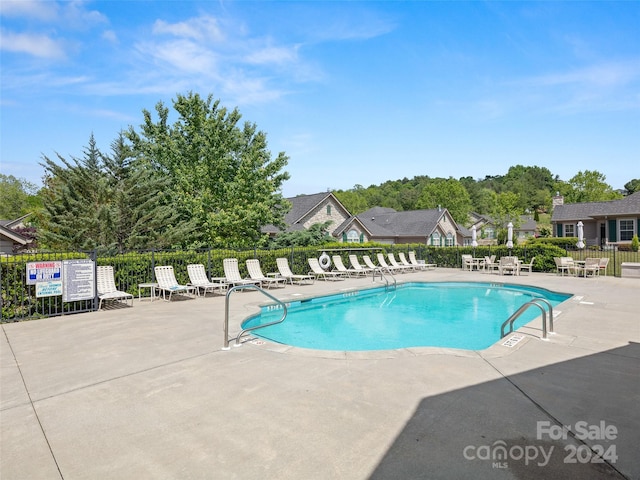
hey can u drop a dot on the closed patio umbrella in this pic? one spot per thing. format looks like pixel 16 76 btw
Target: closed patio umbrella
pixel 580 243
pixel 510 235
pixel 474 242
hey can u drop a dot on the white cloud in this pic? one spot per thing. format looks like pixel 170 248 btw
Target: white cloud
pixel 38 45
pixel 203 28
pixel 35 9
pixel 110 36
pixel 602 75
pixel 273 55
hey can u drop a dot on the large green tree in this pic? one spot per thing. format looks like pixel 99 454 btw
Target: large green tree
pixel 632 186
pixel 222 174
pixel 17 197
pixel 590 186
pixel 507 209
pixel 447 193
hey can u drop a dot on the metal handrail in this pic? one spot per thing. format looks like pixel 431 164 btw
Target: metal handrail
pixel 245 330
pixel 509 321
pixel 384 277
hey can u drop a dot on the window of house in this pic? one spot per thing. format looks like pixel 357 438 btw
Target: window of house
pixel 569 230
pixel 449 241
pixel 627 228
pixel 328 209
pixel 353 237
pixel 489 232
pixel 435 239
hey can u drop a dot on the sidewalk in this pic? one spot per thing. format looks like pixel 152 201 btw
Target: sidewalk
pixel 148 393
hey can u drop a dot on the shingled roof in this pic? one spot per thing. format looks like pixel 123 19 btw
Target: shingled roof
pixel 629 205
pixel 388 222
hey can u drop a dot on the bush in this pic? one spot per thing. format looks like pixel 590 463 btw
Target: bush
pixel 634 243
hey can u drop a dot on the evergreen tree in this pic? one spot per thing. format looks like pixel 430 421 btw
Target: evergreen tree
pixel 75 202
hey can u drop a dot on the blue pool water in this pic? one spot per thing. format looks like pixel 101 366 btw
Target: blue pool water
pixel 453 315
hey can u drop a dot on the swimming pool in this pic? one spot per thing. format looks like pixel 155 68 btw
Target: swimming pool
pixel 445 314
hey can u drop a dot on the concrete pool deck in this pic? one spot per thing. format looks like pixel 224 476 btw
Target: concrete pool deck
pixel 148 392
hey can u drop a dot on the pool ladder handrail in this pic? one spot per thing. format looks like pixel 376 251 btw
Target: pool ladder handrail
pixel 509 321
pixel 245 330
pixel 384 277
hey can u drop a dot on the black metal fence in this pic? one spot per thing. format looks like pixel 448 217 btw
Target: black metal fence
pixel 19 300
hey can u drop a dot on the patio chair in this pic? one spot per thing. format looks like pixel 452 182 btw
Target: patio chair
pixel 467 262
pixel 527 266
pixel 355 264
pixel 603 262
pixel 565 265
pixel 490 264
pixel 383 263
pixel 167 282
pixel 415 263
pixel 591 267
pixel 340 267
pixel 318 272
pixel 509 265
pixel 394 264
pixel 199 279
pixel 287 274
pixel 106 286
pixel 232 273
pixel 255 272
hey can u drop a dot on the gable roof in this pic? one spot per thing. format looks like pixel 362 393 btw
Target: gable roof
pixel 13 235
pixel 301 206
pixel 629 205
pixel 386 222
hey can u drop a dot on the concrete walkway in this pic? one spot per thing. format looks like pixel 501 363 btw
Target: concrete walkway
pixel 148 393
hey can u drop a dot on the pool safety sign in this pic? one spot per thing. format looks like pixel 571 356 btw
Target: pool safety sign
pixel 78 280
pixel 73 279
pixel 43 272
pixel 48 289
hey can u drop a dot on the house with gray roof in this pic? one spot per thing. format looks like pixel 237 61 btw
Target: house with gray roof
pixel 611 222
pixel 307 210
pixel 379 224
pixel 433 227
pixel 12 241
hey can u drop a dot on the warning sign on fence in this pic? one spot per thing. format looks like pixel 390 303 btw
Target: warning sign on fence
pixel 43 272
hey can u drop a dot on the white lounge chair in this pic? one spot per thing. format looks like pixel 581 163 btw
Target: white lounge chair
pixel 255 272
pixel 340 267
pixel 394 264
pixel 167 282
pixel 232 273
pixel 369 263
pixel 415 263
pixel 383 263
pixel 402 260
pixel 199 279
pixel 355 264
pixel 106 286
pixel 318 272
pixel 287 274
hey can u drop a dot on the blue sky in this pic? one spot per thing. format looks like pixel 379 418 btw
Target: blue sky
pixel 353 92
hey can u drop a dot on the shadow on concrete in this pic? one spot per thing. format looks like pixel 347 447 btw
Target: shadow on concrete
pixel 492 430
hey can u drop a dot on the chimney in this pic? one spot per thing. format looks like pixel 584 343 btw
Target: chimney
pixel 557 200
